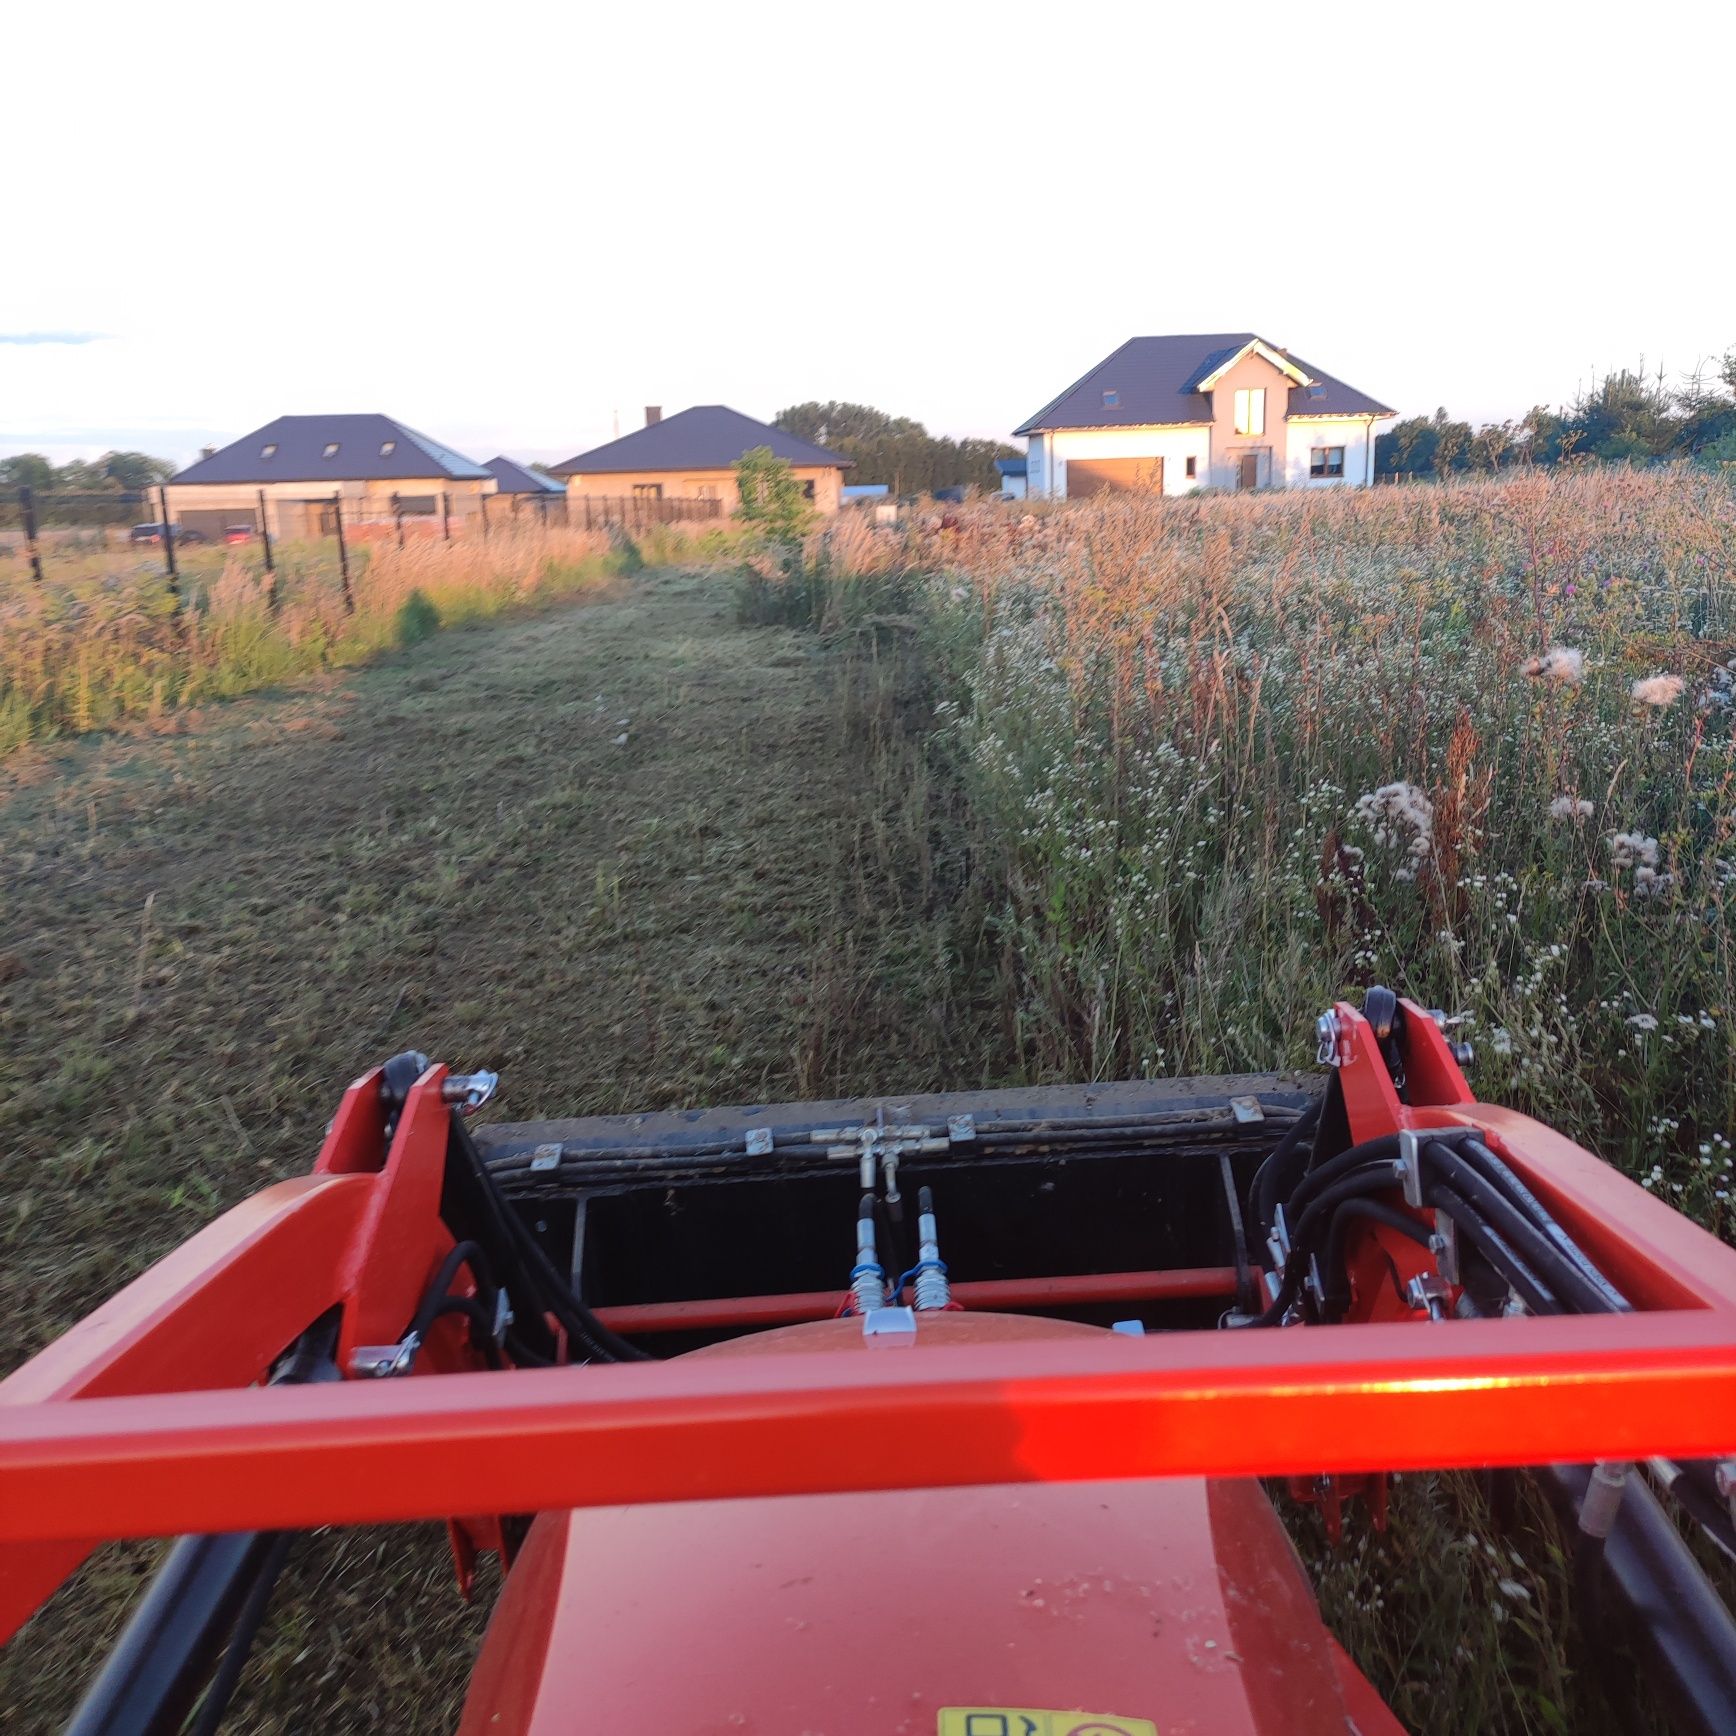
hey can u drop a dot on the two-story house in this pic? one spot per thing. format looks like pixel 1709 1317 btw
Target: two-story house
pixel 1224 409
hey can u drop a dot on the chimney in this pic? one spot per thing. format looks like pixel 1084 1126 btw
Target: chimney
pixel 653 415
pixel 207 451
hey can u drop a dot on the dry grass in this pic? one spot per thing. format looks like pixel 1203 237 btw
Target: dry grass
pixel 104 640
pixel 1221 761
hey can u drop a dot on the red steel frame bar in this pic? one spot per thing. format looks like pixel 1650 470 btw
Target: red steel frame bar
pixel 1180 1284
pixel 138 1452
pixel 1356 1398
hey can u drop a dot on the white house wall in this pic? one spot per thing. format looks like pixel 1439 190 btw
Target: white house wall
pixel 1173 445
pixel 1037 465
pixel 1302 437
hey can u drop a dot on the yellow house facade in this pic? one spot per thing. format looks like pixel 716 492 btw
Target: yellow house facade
pixel 286 476
pixel 691 456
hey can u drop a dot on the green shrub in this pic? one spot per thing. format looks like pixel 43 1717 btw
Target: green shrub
pixel 417 620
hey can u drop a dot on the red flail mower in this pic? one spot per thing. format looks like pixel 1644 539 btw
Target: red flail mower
pixel 938 1415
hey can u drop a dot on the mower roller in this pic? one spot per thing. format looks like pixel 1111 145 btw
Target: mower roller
pixel 936 1415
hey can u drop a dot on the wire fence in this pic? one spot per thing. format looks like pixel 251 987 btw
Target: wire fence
pixel 46 525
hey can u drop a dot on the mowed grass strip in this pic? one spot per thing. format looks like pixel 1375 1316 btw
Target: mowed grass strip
pixel 205 938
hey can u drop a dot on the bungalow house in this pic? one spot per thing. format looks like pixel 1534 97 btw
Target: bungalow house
pixel 298 463
pixel 520 490
pixel 691 456
pixel 1228 409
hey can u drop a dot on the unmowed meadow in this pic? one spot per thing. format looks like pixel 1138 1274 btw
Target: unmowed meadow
pixel 104 639
pixel 1230 758
pixel 1211 764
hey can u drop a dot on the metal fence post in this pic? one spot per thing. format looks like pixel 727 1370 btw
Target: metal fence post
pixel 270 563
pixel 445 515
pixel 27 508
pixel 484 499
pixel 343 553
pixel 398 515
pixel 169 547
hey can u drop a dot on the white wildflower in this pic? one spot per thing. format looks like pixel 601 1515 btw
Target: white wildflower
pixel 1400 814
pixel 1513 1589
pixel 1571 808
pixel 1658 690
pixel 1627 848
pixel 1559 663
pixel 1642 1021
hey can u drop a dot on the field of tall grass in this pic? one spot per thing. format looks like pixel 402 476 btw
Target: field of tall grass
pixel 1229 759
pixel 1216 763
pixel 105 639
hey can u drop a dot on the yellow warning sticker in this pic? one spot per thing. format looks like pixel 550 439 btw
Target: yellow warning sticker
pixel 1029 1721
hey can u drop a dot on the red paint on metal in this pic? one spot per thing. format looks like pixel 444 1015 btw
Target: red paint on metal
pixel 1180 1284
pixel 1180 1404
pixel 863 1615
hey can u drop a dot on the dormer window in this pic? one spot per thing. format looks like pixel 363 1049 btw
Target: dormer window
pixel 388 447
pixel 331 450
pixel 269 450
pixel 1111 399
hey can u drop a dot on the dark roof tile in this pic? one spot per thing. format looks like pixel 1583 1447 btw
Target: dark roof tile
pixel 298 446
pixel 512 477
pixel 1156 381
pixel 707 437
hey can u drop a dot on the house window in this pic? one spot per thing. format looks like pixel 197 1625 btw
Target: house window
pixel 808 489
pixel 267 451
pixel 1251 410
pixel 1192 469
pixel 388 447
pixel 647 490
pixel 331 450
pixel 1111 400
pixel 1326 461
pixel 417 505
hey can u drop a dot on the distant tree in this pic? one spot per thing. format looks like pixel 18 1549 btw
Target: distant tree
pixel 895 450
pixel 1626 415
pixel 27 470
pixel 113 473
pixel 1452 442
pixel 1407 448
pixel 771 497
pixel 135 470
pixel 1491 446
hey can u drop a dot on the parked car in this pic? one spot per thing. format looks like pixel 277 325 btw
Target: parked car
pixel 153 533
pixel 238 533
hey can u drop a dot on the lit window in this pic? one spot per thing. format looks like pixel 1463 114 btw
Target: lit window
pixel 1251 410
pixel 331 450
pixel 1326 461
pixel 1111 400
pixel 267 451
pixel 1192 469
pixel 387 448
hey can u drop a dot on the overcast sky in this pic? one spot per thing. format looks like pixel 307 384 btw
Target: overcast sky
pixel 509 226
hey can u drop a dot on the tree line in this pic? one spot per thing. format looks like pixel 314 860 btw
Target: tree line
pixel 1629 414
pixel 896 450
pixel 113 473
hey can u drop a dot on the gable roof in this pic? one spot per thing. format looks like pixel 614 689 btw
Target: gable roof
pixel 1161 380
pixel 298 445
pixel 707 437
pixel 513 478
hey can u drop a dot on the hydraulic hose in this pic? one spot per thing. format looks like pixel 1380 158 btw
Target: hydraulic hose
pixel 1577 1292
pixel 1481 1158
pixel 1270 1176
pixel 1531 1290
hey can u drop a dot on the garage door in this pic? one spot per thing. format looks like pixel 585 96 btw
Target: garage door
pixel 213 521
pixel 1087 476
